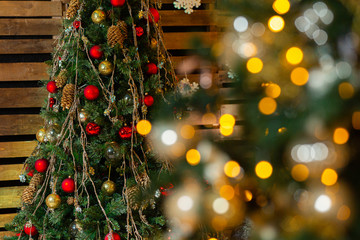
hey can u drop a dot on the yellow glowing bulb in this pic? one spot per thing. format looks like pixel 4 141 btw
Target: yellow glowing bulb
pixel 187 131
pixel 248 195
pixel 263 169
pixel 143 127
pixel 267 105
pixel 329 177
pixel 346 90
pixel 273 90
pixel 254 65
pixel 300 172
pixel 294 55
pixel 232 169
pixel 193 157
pixel 227 192
pixel 226 131
pixel 281 6
pixel 276 23
pixel 343 213
pixel 212 238
pixel 299 76
pixel 341 136
pixel 227 121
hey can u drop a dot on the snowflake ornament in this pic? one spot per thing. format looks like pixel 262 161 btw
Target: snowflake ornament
pixel 188 5
pixel 186 88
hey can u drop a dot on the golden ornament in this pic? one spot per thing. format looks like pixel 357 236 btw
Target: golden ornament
pixel 40 135
pixel 153 43
pixel 83 115
pixel 106 68
pixel 98 16
pixel 108 187
pixel 53 201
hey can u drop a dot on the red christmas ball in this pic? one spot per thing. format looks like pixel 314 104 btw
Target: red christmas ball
pixel 148 100
pixel 151 68
pixel 31 173
pixel 155 15
pixel 68 185
pixel 139 31
pixel 76 24
pixel 41 165
pixel 92 129
pixel 125 132
pixel 117 3
pixel 96 52
pixel 91 92
pixel 30 229
pixel 51 87
pixel 112 236
pixel 51 102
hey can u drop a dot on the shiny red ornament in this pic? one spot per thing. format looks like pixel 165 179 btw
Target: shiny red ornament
pixel 92 129
pixel 155 15
pixel 30 229
pixel 117 3
pixel 31 173
pixel 51 102
pixel 151 68
pixel 76 24
pixel 167 190
pixel 148 100
pixel 41 165
pixel 68 185
pixel 91 92
pixel 112 236
pixel 125 132
pixel 96 52
pixel 51 87
pixel 139 31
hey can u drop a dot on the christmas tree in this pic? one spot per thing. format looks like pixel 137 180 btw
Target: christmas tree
pixel 90 173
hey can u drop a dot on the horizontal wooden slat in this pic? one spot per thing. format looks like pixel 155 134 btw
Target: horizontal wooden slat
pixel 23 71
pixel 30 8
pixel 179 18
pixel 7 234
pixel 30 26
pixel 233 109
pixel 22 97
pixel 10 196
pixel 26 46
pixel 20 124
pixel 181 40
pixel 10 172
pixel 6 218
pixel 16 149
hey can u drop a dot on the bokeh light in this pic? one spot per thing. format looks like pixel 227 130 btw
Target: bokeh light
pixel 329 177
pixel 187 131
pixel 300 172
pixel 248 195
pixel 185 203
pixel 241 24
pixel 356 120
pixel 169 137
pixel 226 131
pixel 227 121
pixel 193 157
pixel 267 105
pixel 299 76
pixel 220 205
pixel 346 90
pixel 322 203
pixel 263 169
pixel 294 55
pixel 143 127
pixel 232 169
pixel 254 65
pixel 281 6
pixel 343 213
pixel 276 23
pixel 341 136
pixel 208 119
pixel 227 192
pixel 219 223
pixel 273 90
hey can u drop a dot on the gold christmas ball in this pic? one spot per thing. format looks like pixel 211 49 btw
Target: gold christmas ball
pixel 40 135
pixel 83 115
pixel 53 201
pixel 106 68
pixel 153 43
pixel 98 16
pixel 108 187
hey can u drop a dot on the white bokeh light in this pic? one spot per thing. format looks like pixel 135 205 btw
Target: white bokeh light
pixel 169 137
pixel 185 203
pixel 220 205
pixel 322 203
pixel 241 24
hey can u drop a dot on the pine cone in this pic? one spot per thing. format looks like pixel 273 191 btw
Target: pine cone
pixel 72 9
pixel 123 27
pixel 61 79
pixel 132 194
pixel 28 195
pixel 70 200
pixel 68 96
pixel 143 179
pixel 117 34
pixel 36 180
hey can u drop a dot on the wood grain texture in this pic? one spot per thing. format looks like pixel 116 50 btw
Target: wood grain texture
pixel 20 124
pixel 23 71
pixel 6 234
pixel 10 196
pixel 179 18
pixel 30 9
pixel 16 149
pixel 10 172
pixel 181 40
pixel 6 218
pixel 29 27
pixel 22 97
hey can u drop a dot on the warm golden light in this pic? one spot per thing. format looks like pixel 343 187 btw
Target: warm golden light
pixel 187 131
pixel 263 169
pixel 300 172
pixel 356 120
pixel 267 105
pixel 276 24
pixel 273 90
pixel 143 127
pixel 344 213
pixel 346 90
pixel 294 55
pixel 227 121
pixel 299 76
pixel 232 169
pixel 226 131
pixel 193 157
pixel 208 119
pixel 341 136
pixel 254 65
pixel 227 192
pixel 212 238
pixel 248 195
pixel 281 6
pixel 329 177
pixel 219 223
